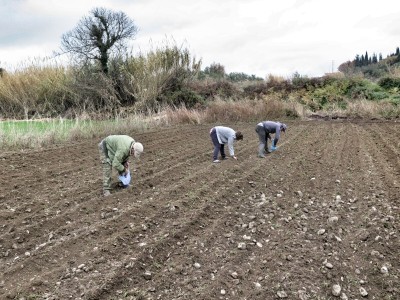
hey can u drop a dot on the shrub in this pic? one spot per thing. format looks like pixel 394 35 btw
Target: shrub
pixel 389 111
pixel 256 90
pixel 185 97
pixel 238 77
pixel 279 84
pixel 374 71
pixel 365 89
pixel 156 75
pixel 333 91
pixel 93 92
pixel 300 82
pixel 209 90
pixel 389 82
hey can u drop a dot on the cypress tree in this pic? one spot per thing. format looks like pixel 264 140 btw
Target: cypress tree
pixel 374 58
pixel 357 61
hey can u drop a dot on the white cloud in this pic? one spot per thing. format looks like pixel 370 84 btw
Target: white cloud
pixel 254 36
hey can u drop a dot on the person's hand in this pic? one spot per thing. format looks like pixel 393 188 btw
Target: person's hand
pixel 234 157
pixel 273 148
pixel 126 165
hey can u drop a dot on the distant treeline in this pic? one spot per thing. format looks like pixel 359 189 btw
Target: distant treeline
pixel 365 60
pixel 373 66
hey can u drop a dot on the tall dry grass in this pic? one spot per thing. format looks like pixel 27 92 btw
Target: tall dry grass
pixel 182 115
pixel 162 70
pixel 370 109
pixel 33 90
pixel 142 82
pixel 269 108
pixel 250 110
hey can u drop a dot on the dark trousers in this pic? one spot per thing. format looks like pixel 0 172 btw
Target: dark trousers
pixel 263 137
pixel 217 146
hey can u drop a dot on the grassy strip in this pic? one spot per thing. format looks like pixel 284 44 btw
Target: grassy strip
pixel 35 134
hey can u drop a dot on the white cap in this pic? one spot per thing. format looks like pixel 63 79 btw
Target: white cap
pixel 138 148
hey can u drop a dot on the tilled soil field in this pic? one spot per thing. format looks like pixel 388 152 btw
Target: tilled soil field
pixel 317 219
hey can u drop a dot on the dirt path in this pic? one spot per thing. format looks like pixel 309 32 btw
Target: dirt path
pixel 322 210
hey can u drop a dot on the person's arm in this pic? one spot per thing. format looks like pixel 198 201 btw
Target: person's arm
pixel 277 136
pixel 126 166
pixel 230 147
pixel 118 161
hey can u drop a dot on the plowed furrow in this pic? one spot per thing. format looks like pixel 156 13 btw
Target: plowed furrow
pixel 185 210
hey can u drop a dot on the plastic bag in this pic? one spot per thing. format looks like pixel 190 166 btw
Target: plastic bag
pixel 125 179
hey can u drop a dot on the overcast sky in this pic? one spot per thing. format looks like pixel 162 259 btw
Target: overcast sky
pixel 258 37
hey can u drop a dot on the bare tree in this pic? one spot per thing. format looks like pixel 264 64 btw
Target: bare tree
pixel 97 36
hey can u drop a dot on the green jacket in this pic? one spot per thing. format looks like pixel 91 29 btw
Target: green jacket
pixel 118 150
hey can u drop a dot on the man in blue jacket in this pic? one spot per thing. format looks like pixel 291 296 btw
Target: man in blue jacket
pixel 264 129
pixel 220 136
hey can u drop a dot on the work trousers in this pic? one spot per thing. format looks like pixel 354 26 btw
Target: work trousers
pixel 263 136
pixel 106 165
pixel 217 146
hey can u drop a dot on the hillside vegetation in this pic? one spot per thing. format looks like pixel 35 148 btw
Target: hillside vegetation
pixel 169 78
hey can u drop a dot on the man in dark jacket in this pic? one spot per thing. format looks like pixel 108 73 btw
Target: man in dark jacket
pixel 264 129
pixel 114 153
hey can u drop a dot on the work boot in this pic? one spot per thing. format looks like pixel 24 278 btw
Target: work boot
pixel 106 193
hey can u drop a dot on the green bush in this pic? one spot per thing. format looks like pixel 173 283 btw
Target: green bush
pixel 374 71
pixel 333 91
pixel 365 89
pixel 389 83
pixel 378 95
pixel 238 77
pixel 300 82
pixel 184 96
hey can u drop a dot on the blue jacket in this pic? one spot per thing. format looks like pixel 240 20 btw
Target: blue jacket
pixel 272 127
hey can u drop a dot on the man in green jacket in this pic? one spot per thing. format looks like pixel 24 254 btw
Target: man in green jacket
pixel 114 153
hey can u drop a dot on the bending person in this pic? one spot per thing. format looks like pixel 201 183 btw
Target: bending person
pixel 114 153
pixel 220 136
pixel 264 129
